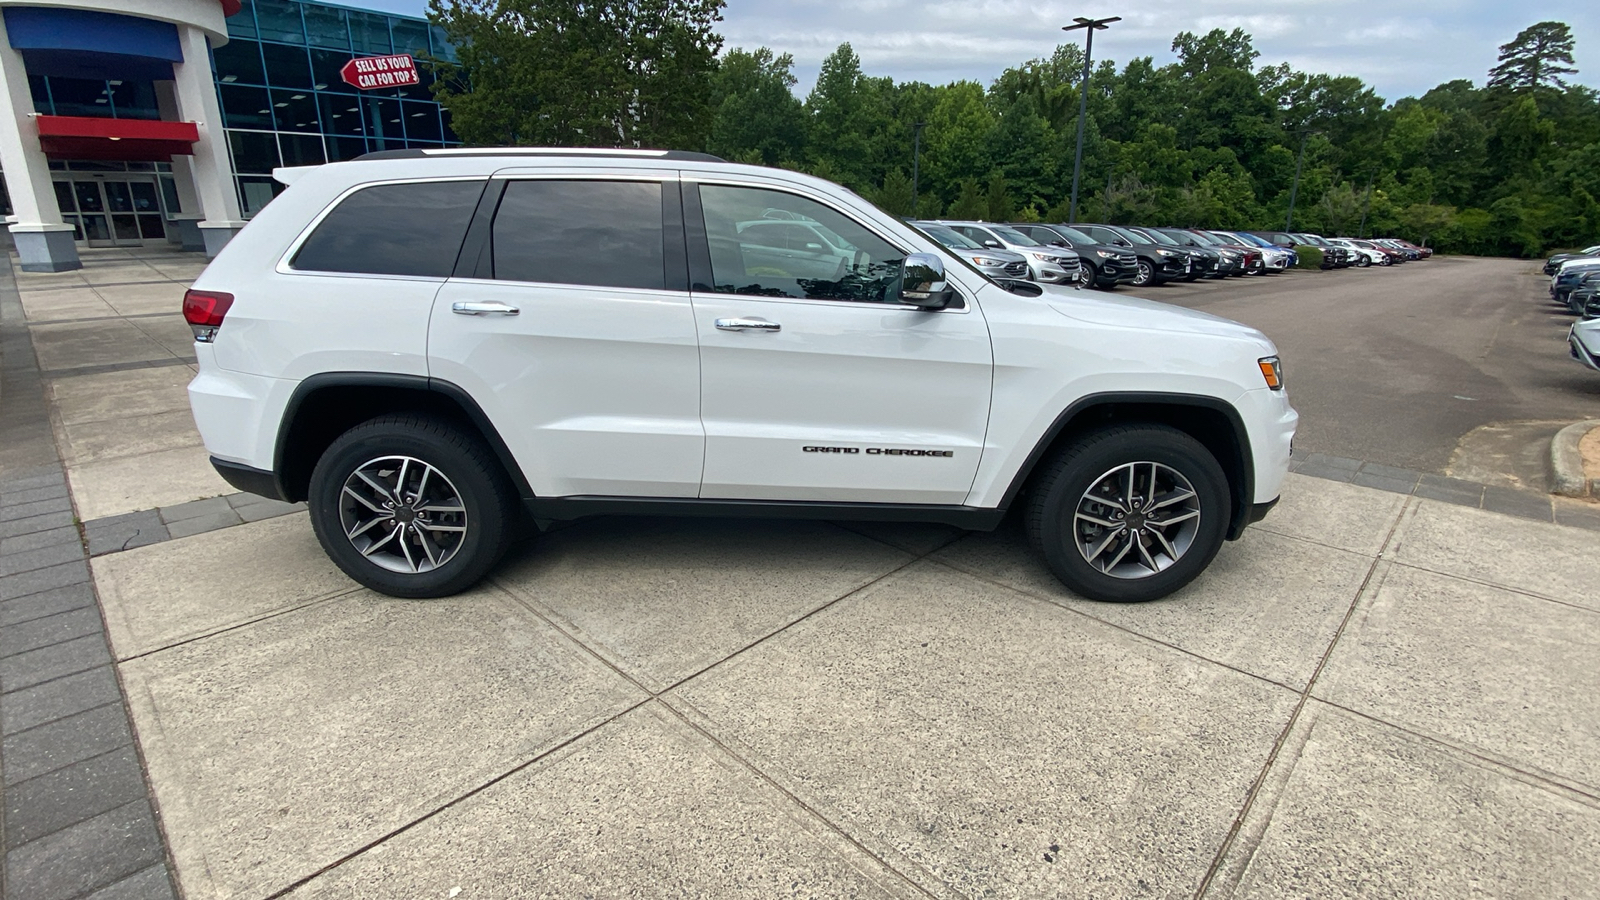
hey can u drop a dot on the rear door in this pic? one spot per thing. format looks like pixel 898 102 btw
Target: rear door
pixel 826 388
pixel 571 325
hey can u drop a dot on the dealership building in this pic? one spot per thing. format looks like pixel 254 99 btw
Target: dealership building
pixel 159 122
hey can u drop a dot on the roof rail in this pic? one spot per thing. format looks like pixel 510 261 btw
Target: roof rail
pixel 614 152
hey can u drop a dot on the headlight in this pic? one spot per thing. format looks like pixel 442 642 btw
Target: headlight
pixel 987 261
pixel 1160 252
pixel 1272 371
pixel 1043 257
pixel 1104 254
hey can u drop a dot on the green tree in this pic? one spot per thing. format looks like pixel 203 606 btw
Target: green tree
pixel 567 73
pixel 838 109
pixel 894 196
pixel 1538 57
pixel 758 118
pixel 970 203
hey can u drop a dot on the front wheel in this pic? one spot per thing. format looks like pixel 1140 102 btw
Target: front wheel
pixel 1129 513
pixel 1086 275
pixel 412 506
pixel 1145 276
pixel 1363 262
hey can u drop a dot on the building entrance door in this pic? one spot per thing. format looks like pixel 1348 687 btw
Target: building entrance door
pixel 111 211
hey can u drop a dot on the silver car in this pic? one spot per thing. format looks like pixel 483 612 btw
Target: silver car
pixel 993 263
pixel 1049 264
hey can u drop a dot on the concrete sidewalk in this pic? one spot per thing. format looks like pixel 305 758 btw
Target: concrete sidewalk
pixel 1373 694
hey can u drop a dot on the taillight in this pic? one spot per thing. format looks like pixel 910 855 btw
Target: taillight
pixel 203 310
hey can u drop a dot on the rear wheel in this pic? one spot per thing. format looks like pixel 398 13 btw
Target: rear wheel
pixel 412 506
pixel 1129 513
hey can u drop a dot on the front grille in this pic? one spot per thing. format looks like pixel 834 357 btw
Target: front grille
pixel 1128 259
pixel 1016 269
pixel 1070 263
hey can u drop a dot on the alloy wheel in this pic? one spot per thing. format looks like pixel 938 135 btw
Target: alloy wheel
pixel 402 514
pixel 1145 274
pixel 1136 520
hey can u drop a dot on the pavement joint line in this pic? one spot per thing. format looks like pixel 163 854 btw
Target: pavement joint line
pixel 1055 603
pixel 30 728
pixel 448 804
pixel 315 601
pixel 761 774
pixel 33 322
pixel 111 368
pixel 1294 717
pixel 1551 782
pixel 1510 589
pixel 650 697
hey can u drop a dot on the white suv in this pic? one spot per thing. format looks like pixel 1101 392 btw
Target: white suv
pixel 429 345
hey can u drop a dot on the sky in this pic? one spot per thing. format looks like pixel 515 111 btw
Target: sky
pixel 1398 48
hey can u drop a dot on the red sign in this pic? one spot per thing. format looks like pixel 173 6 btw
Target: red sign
pixel 369 72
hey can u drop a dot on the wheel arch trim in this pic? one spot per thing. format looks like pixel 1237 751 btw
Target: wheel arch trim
pixel 416 383
pixel 1241 489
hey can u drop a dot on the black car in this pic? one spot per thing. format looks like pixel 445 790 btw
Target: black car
pixel 1554 262
pixel 1100 265
pixel 1231 260
pixel 1156 264
pixel 1202 264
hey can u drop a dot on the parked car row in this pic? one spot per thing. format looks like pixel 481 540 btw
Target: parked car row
pixel 1575 287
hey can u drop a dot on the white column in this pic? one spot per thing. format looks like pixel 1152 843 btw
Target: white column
pixel 212 171
pixel 188 219
pixel 43 240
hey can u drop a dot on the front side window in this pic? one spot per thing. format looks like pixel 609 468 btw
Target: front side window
pixel 598 233
pixel 393 229
pixel 773 244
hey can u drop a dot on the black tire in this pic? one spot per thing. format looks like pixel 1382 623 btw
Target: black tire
pixel 469 471
pixel 1065 482
pixel 1363 262
pixel 1146 276
pixel 1087 276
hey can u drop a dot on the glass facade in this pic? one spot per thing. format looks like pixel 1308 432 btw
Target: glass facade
pixel 284 104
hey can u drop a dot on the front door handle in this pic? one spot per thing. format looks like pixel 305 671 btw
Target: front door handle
pixel 747 325
pixel 492 308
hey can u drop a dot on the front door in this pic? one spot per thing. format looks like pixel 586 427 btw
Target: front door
pixel 817 385
pixel 111 212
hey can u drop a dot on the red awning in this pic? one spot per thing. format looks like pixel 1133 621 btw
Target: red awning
pixel 132 140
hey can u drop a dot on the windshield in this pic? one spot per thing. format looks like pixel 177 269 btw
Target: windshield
pixel 1073 235
pixel 1132 236
pixel 1252 239
pixel 947 236
pixel 1158 237
pixel 1013 236
pixel 1209 240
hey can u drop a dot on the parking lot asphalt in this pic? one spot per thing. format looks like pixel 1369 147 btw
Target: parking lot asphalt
pixel 1454 365
pixel 1372 694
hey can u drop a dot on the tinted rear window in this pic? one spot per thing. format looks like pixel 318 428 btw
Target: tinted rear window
pixel 393 229
pixel 602 233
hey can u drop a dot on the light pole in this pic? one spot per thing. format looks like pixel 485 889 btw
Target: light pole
pixel 1090 26
pixel 916 158
pixel 1295 188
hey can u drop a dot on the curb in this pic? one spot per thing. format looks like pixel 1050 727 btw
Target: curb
pixel 1567 463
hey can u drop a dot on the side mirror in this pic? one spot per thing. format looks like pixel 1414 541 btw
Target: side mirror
pixel 922 282
pixel 992 244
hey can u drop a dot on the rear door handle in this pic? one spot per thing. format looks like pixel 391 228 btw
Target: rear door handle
pixel 748 325
pixel 492 308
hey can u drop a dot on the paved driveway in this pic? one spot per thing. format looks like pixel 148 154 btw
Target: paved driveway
pixel 1371 695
